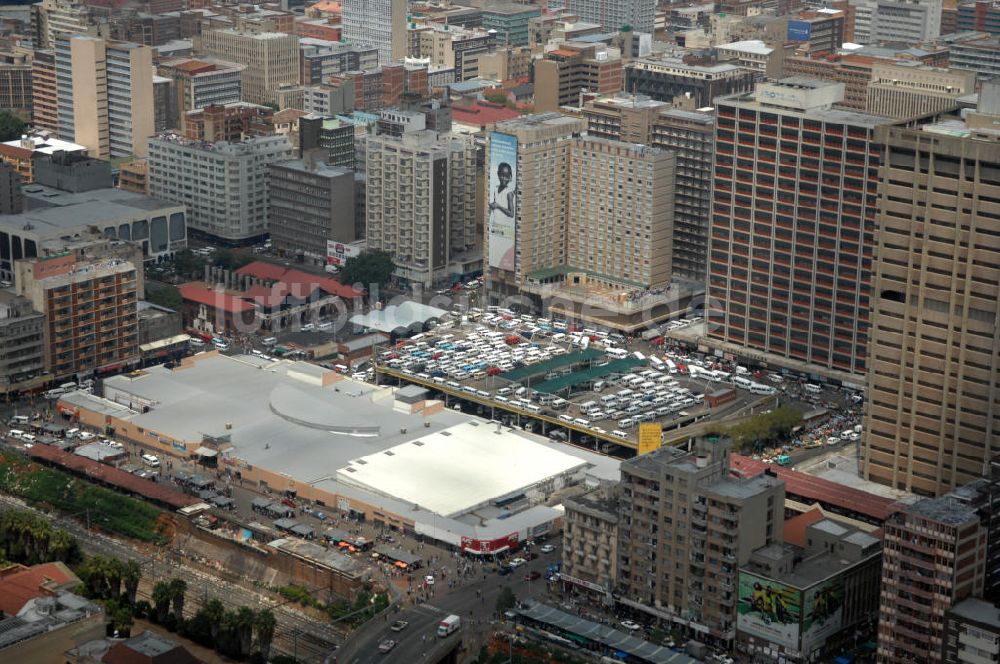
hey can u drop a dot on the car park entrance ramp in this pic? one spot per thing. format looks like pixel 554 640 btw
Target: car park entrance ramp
pixel 545 367
pixel 557 385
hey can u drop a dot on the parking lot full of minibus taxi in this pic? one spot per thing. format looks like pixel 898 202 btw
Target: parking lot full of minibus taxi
pixel 476 357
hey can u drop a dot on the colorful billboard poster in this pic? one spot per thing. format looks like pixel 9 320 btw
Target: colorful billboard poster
pixel 337 253
pixel 502 203
pixel 769 610
pixel 823 608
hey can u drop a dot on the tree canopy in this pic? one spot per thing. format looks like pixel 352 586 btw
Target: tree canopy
pixel 765 429
pixel 372 266
pixel 11 126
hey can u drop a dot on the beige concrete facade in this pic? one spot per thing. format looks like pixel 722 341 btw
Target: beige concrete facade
pixel 564 72
pixel 590 540
pixel 685 527
pixel 271 60
pixel 621 212
pixel 934 389
pixel 905 90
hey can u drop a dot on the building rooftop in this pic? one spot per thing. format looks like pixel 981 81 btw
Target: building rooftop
pixel 45 144
pixel 22 584
pixel 319 168
pixel 677 63
pixel 944 509
pixel 979 611
pixel 751 46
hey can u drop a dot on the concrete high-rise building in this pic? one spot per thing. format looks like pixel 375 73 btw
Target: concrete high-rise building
pixel 932 558
pixel 626 237
pixel 590 541
pixel 972 632
pixel 270 59
pixel 685 527
pixel 223 185
pixel 510 21
pixel 199 83
pixel 420 202
pixel 978 16
pixel 451 46
pixel 665 79
pixel 612 15
pixel 934 425
pixel 335 137
pixel 104 94
pixel 44 102
pixel 91 311
pixel 907 21
pixel 376 23
pixel 537 238
pixel 562 73
pixel 15 81
pixel 906 90
pixel 791 236
pixel 22 341
pixel 11 198
pixel 311 204
pixel 51 18
pixel 321 59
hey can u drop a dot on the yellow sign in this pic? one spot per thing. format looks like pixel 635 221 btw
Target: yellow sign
pixel 650 435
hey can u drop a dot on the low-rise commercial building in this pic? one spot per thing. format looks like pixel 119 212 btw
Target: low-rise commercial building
pixel 806 603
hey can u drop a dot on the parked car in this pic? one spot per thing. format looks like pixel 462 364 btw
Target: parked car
pixel 398 626
pixel 630 626
pixel 547 548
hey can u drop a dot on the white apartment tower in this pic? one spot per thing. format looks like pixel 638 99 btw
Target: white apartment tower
pixel 611 15
pixel 224 185
pixel 376 23
pixel 421 201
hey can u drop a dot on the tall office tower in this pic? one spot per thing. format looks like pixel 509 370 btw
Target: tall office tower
pixel 666 78
pixel 335 137
pixel 614 232
pixel 51 18
pixel 690 134
pixel 104 93
pixel 532 235
pixel 932 558
pixel 223 185
pixel 685 527
pixel 931 419
pixel 611 16
pixel 792 213
pixel 378 23
pixel 22 341
pixel 15 81
pixel 421 202
pixel 91 310
pixel 907 21
pixel 562 74
pixel 44 104
pixel 312 203
pixel 270 59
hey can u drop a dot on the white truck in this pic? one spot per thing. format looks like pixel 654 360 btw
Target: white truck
pixel 449 625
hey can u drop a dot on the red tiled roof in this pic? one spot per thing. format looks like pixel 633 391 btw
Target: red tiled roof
pixel 16 151
pixel 795 528
pixel 825 492
pixel 109 475
pixel 482 113
pixel 202 294
pixel 297 281
pixel 134 652
pixel 18 588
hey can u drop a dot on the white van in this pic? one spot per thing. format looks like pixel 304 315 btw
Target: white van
pixel 19 419
pixel 627 423
pixel 757 388
pixel 599 385
pixel 54 393
pixel 16 434
pixel 151 460
pixel 743 382
pixel 72 433
pixel 608 398
pixel 617 353
pixel 812 388
pixel 196 343
pixel 270 341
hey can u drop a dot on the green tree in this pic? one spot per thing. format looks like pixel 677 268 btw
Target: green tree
pixel 230 260
pixel 119 617
pixel 162 595
pixel 11 126
pixel 215 611
pixel 372 266
pixel 165 296
pixel 178 587
pixel 264 624
pixel 131 575
pixel 188 264
pixel 765 429
pixel 506 600
pixel 244 624
pixel 495 97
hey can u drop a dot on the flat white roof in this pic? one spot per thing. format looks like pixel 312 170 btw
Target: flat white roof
pixel 454 471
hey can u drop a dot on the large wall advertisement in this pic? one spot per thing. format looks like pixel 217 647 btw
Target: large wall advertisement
pixel 769 610
pixel 823 609
pixel 502 203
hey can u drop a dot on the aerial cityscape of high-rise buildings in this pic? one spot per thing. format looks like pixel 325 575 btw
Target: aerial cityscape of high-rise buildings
pixel 618 330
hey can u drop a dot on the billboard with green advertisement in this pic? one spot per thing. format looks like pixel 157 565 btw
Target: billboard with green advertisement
pixel 769 610
pixel 823 608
